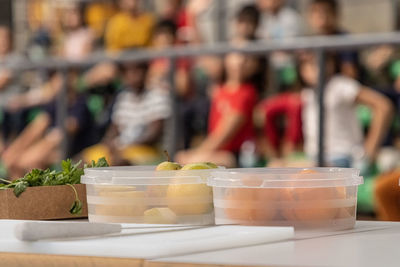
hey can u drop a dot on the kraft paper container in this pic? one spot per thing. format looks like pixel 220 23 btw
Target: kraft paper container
pixel 42 203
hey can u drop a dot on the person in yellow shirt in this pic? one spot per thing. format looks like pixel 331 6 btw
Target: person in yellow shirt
pixel 129 28
pixel 97 14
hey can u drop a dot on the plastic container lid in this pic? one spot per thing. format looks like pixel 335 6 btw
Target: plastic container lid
pixel 285 177
pixel 143 175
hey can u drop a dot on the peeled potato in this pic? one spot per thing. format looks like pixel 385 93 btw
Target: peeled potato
pixel 135 203
pixel 160 215
pixel 189 199
pixel 159 191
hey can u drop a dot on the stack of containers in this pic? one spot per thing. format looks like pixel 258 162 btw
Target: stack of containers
pixel 311 198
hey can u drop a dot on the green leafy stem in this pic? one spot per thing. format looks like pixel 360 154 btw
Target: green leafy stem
pixel 76 207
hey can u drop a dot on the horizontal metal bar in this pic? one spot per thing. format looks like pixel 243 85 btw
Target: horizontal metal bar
pixel 337 42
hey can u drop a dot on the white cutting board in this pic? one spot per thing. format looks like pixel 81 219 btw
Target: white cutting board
pixel 147 243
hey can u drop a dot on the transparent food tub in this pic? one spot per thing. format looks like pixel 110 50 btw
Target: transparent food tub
pixel 311 198
pixel 139 194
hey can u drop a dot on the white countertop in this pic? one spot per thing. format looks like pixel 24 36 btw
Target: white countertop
pixel 370 244
pixel 140 241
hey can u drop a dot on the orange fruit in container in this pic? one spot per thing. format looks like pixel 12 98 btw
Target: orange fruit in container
pixel 313 203
pixel 251 205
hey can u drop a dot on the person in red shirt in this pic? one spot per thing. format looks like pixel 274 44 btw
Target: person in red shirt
pixel 285 105
pixel 230 119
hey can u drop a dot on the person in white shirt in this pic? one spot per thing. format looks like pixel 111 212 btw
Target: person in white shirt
pixel 344 144
pixel 278 21
pixel 77 42
pixel 137 120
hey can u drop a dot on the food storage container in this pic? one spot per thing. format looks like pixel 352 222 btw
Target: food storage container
pixel 311 198
pixel 140 194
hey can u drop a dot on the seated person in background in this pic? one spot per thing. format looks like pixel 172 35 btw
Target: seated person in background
pixel 137 121
pixel 206 74
pixel 97 13
pixel 176 11
pixel 281 109
pixel 7 77
pixel 37 96
pixel 323 18
pixel 230 120
pixel 278 20
pixel 245 25
pixel 10 83
pixel 245 28
pixel 77 41
pixel 344 144
pixel 164 37
pixel 22 107
pixel 129 28
pixel 42 19
pixel 38 146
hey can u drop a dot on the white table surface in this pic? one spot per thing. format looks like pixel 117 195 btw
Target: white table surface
pixel 369 244
pixel 142 241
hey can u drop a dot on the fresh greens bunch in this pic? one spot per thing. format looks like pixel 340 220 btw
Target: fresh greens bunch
pixel 68 175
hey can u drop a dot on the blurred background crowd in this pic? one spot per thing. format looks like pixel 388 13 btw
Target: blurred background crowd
pixel 235 110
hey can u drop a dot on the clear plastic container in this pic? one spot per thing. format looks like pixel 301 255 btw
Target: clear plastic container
pixel 140 194
pixel 312 198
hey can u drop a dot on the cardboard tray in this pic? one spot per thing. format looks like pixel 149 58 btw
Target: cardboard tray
pixel 42 203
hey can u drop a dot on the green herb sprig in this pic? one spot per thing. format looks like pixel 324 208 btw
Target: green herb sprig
pixel 69 174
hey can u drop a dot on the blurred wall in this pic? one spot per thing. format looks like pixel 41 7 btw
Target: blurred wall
pixel 368 15
pixel 359 16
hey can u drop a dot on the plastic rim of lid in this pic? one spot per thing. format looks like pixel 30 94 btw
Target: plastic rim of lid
pixel 285 177
pixel 143 175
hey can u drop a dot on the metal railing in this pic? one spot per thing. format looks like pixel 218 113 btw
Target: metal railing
pixel 320 44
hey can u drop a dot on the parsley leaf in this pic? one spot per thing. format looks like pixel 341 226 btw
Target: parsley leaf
pixel 20 187
pixel 101 162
